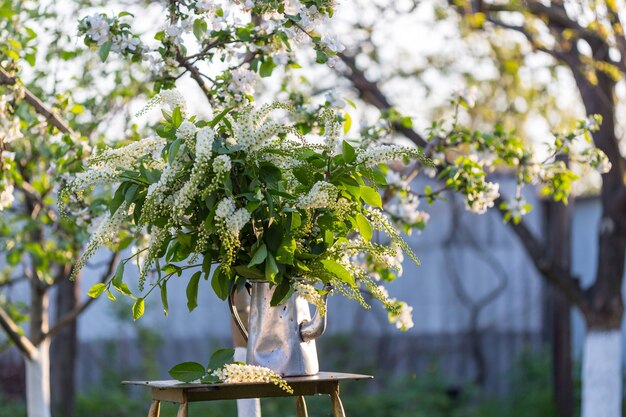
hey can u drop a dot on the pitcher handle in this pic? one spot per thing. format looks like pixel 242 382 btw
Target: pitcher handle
pixel 235 314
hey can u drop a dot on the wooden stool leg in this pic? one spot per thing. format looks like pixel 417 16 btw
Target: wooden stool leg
pixel 301 407
pixel 338 410
pixel 155 409
pixel 182 409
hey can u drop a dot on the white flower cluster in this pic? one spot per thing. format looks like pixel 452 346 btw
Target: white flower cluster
pixel 158 198
pixel 186 132
pixel 232 218
pixel 222 164
pixel 332 43
pixel 394 261
pixel 199 171
pixel 466 95
pixel 176 30
pixel 96 27
pixel 91 177
pixel 322 195
pixel 10 129
pixel 405 210
pixel 310 294
pixel 100 29
pixel 384 153
pixel 105 234
pixel 206 6
pixel 482 197
pixel 235 373
pixel 334 98
pixel 332 133
pixel 204 142
pixel 380 222
pixel 401 314
pixel 242 83
pixel 127 156
pixel 124 43
pixel 251 130
pixel 6 194
pixel 173 98
pixel 518 207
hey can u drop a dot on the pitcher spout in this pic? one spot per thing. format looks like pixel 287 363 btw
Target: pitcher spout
pixel 311 330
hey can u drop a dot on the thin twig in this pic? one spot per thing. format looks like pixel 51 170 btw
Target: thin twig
pixel 73 315
pixel 38 105
pixel 13 331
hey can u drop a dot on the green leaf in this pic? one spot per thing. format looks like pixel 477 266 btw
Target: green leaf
pixel 164 302
pixel 244 33
pixel 371 196
pixel 96 290
pixel 267 67
pixel 118 198
pixel 110 295
pixel 365 227
pixel 187 371
pixel 349 154
pixel 199 28
pixel 119 274
pixel 219 117
pixel 250 273
pixel 347 124
pixel 177 117
pixel 219 283
pixel 173 151
pixel 210 379
pixel 338 270
pixel 273 237
pixel 296 221
pixel 286 250
pixel 138 308
pixel 192 291
pixel 259 255
pixel 282 292
pixel 104 50
pixel 123 288
pixel 271 269
pixel 221 357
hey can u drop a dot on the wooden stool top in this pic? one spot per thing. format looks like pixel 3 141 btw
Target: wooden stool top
pixel 180 392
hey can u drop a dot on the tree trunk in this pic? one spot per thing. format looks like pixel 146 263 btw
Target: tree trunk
pixel 602 374
pixel 64 352
pixel 559 239
pixel 604 306
pixel 38 382
pixel 38 367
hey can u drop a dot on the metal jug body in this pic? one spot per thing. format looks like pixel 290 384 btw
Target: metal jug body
pixel 274 334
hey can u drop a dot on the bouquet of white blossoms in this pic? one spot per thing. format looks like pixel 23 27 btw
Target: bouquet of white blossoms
pixel 253 196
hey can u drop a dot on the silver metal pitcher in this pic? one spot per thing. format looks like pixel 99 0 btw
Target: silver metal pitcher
pixel 281 338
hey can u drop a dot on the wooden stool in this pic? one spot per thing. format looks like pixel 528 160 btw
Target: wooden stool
pixel 183 394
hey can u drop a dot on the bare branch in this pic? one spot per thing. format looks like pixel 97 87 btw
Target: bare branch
pixel 560 278
pixel 13 281
pixel 73 315
pixel 13 331
pixel 195 74
pixel 38 105
pixel 371 93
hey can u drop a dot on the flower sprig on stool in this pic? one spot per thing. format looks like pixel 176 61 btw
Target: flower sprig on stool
pixel 223 369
